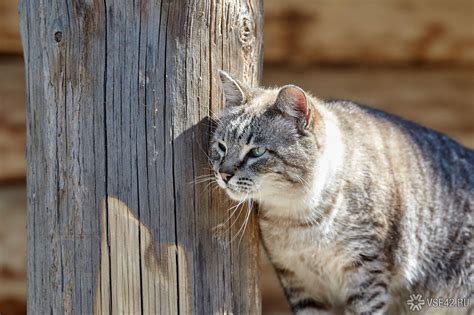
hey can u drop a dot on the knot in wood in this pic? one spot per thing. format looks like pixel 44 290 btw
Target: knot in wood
pixel 247 31
pixel 58 36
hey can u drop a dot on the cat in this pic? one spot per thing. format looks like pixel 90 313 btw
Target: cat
pixel 358 208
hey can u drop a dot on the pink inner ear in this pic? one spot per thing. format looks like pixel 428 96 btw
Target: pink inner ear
pixel 301 105
pixel 293 101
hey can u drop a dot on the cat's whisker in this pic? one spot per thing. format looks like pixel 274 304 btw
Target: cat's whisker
pixel 243 225
pixel 233 210
pixel 250 208
pixel 237 207
pixel 204 175
pixel 236 219
pixel 211 183
pixel 211 172
pixel 202 180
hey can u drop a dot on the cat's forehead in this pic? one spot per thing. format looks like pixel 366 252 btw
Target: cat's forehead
pixel 237 123
pixel 260 100
pixel 261 129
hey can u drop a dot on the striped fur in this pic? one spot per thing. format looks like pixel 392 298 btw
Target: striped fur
pixel 358 208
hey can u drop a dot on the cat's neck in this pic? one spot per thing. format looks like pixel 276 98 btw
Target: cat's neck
pixel 305 203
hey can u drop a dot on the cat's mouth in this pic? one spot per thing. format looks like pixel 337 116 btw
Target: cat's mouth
pixel 236 192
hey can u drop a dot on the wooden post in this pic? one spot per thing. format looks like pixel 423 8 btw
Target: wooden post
pixel 119 96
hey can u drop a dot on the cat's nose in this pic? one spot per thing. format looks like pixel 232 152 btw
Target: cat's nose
pixel 226 176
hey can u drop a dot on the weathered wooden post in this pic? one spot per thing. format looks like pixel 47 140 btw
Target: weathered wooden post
pixel 119 94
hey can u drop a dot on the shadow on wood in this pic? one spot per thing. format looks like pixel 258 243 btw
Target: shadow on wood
pixel 128 265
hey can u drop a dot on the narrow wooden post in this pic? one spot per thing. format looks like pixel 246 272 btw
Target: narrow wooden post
pixel 119 97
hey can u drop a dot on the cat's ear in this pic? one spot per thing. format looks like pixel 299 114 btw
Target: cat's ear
pixel 293 102
pixel 235 92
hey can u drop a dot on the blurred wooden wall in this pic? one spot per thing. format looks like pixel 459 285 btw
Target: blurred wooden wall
pixel 369 32
pixel 306 32
pixel 10 42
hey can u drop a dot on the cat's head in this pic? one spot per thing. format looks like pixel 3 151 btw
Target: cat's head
pixel 264 143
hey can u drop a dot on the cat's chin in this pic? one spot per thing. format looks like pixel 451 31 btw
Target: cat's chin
pixel 237 196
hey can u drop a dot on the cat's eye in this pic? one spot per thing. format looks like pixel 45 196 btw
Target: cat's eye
pixel 222 146
pixel 257 152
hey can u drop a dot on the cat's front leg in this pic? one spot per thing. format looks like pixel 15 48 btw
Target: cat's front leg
pixel 368 294
pixel 302 304
pixel 300 301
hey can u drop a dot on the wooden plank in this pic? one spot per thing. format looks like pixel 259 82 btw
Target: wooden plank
pixel 302 32
pixel 119 98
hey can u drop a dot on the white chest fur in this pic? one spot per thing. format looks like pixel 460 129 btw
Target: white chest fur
pixel 317 264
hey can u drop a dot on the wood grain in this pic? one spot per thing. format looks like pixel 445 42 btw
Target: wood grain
pixel 121 257
pixel 119 95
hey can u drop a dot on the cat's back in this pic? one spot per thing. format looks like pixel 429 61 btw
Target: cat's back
pixel 431 174
pixel 375 128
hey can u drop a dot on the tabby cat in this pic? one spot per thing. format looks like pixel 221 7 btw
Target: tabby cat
pixel 358 209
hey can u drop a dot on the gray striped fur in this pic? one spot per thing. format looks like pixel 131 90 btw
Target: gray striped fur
pixel 358 208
